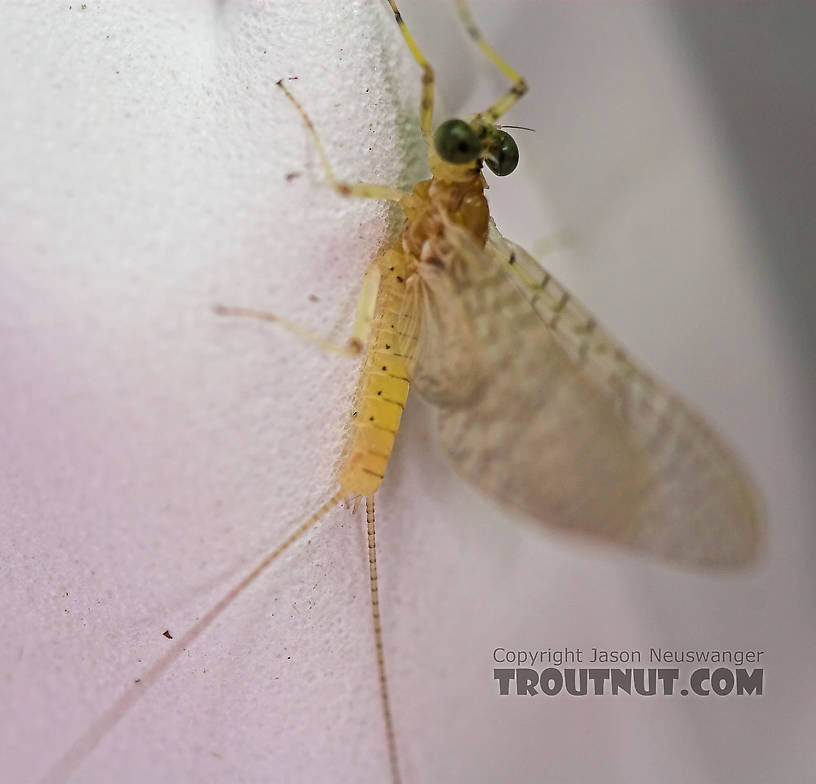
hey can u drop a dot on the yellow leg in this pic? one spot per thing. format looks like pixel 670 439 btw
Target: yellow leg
pixel 519 86
pixel 362 322
pixel 364 190
pixel 426 103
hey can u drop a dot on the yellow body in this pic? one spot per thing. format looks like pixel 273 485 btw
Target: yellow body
pixel 386 375
pixel 383 388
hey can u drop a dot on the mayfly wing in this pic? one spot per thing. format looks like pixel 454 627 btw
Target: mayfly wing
pixel 448 348
pixel 555 420
pixel 700 492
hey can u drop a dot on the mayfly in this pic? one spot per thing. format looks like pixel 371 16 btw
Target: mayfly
pixel 538 406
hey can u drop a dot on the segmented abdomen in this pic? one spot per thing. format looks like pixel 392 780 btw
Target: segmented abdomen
pixel 382 391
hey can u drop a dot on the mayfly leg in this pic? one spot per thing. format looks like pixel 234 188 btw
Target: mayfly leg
pixel 519 86
pixel 426 102
pixel 362 322
pixel 362 190
pixel 352 348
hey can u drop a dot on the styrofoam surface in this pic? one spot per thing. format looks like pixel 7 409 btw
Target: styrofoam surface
pixel 152 451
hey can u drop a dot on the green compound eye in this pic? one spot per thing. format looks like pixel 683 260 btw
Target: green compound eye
pixel 504 154
pixel 457 142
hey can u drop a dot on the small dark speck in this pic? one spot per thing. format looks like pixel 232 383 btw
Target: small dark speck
pixel 288 657
pixel 354 413
pixel 138 680
pixel 291 176
pixel 314 298
pixel 387 346
pixel 166 633
pixel 384 367
pixel 371 419
pixel 400 279
pixel 379 391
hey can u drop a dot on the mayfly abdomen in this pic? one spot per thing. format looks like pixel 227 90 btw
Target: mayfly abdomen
pixel 382 390
pixel 386 375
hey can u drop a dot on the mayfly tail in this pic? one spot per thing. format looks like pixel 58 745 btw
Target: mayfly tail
pixel 86 743
pixel 378 643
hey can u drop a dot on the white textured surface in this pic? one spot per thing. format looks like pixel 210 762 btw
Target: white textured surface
pixel 151 450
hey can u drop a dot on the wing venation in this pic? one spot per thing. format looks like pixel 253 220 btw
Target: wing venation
pixel 542 409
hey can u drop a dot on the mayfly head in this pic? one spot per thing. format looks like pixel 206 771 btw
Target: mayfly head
pixel 459 142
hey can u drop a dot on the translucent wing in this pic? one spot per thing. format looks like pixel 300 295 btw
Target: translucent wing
pixel 546 412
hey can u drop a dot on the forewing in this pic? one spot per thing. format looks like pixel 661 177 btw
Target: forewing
pixel 450 371
pixel 566 428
